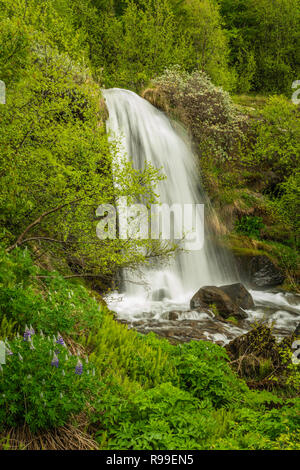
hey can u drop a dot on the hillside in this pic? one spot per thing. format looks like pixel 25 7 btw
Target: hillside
pixel 73 374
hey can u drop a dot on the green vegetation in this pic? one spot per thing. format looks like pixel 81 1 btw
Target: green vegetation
pixel 137 392
pixel 250 226
pixel 74 377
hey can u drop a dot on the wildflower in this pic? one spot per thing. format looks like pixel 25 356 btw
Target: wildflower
pixel 60 340
pixel 27 333
pixel 1 369
pixel 60 395
pixel 42 334
pixel 63 373
pixel 78 368
pixel 9 352
pixel 32 332
pixel 20 357
pixel 55 361
pixel 32 346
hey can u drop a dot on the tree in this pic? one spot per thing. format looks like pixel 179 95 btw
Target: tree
pixel 55 162
pixel 210 48
pixel 264 43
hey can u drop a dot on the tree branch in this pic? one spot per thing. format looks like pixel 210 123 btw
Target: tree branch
pixel 37 221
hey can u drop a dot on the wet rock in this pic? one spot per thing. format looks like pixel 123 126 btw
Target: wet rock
pixel 160 294
pixel 259 342
pixel 239 295
pixel 173 315
pixel 181 331
pixel 260 271
pixel 211 295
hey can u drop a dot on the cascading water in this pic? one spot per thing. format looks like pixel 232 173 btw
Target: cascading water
pixel 145 134
pixel 148 135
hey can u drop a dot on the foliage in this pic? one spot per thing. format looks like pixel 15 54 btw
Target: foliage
pixel 264 43
pixel 203 371
pixel 205 109
pixel 55 164
pixel 49 303
pixel 278 136
pixel 250 225
pixel 287 204
pixel 145 422
pixel 41 383
pixel 210 46
pixel 114 347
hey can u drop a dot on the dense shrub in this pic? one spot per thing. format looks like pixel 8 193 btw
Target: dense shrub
pixel 278 136
pixel 249 225
pixel 204 372
pixel 205 109
pixel 163 417
pixel 48 302
pixel 42 384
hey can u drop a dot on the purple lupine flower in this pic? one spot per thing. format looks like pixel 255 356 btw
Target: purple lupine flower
pixel 78 368
pixel 60 340
pixel 32 332
pixel 55 361
pixel 27 333
pixel 9 352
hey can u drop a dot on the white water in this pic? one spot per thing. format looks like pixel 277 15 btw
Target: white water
pixel 146 134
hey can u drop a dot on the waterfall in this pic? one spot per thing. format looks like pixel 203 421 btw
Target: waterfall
pixel 147 135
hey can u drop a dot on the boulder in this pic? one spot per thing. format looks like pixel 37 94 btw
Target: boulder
pixel 173 315
pixel 259 270
pixel 239 295
pixel 211 295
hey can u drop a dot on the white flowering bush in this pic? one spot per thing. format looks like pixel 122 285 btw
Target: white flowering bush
pixel 205 109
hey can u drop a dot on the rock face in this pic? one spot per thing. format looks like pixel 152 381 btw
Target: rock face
pixel 239 295
pixel 259 271
pixel 211 295
pixel 297 330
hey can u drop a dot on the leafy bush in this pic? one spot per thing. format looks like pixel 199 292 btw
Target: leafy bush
pixel 203 108
pixel 278 136
pixel 163 417
pixel 50 303
pixel 42 384
pixel 204 372
pixel 250 225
